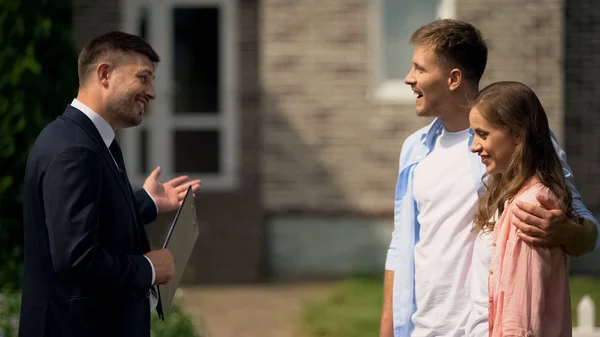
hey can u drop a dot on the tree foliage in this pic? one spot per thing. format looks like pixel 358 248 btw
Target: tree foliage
pixel 38 77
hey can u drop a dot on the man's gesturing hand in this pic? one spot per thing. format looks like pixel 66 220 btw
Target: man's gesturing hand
pixel 169 196
pixel 164 265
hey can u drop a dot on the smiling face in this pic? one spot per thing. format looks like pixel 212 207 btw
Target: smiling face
pixel 494 145
pixel 131 90
pixel 428 80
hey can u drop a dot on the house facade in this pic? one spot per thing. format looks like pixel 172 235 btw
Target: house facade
pixel 293 112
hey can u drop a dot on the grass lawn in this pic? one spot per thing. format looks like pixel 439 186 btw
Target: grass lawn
pixel 354 307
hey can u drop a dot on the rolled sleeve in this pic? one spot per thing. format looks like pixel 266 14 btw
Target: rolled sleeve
pixel 392 261
pixel 579 208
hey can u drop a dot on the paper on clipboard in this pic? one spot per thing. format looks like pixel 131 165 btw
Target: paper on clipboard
pixel 180 241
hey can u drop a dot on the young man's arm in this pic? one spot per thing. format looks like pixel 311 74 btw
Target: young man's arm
pixel 551 227
pixel 387 317
pixel 391 264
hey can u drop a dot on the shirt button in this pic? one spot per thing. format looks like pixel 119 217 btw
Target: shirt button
pixel 491 271
pixel 494 244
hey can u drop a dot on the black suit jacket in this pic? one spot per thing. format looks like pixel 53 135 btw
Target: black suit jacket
pixel 85 273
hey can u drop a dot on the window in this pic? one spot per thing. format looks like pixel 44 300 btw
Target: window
pixel 191 128
pixel 395 21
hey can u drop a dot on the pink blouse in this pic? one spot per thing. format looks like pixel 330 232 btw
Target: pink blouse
pixel 528 285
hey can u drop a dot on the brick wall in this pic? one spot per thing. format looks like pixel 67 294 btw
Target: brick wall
pixel 94 17
pixel 328 145
pixel 582 76
pixel 525 41
pixel 582 101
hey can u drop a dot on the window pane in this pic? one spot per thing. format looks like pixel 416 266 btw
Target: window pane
pixel 400 18
pixel 143 153
pixel 143 24
pixel 196 60
pixel 197 151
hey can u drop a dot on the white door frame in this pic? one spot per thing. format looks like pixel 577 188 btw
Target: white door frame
pixel 163 121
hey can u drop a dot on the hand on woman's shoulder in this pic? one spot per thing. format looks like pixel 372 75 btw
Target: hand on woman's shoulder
pixel 537 192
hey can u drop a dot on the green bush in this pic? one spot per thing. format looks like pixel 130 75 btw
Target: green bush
pixel 38 77
pixel 176 324
pixel 10 308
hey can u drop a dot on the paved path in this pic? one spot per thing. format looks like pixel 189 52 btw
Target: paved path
pixel 264 310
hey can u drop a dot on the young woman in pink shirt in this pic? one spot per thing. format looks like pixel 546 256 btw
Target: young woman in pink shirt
pixel 527 286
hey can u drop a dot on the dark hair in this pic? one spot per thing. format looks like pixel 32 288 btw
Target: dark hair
pixel 456 43
pixel 516 108
pixel 106 45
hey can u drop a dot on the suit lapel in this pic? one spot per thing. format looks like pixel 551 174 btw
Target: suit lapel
pixel 79 118
pixel 143 238
pixel 139 225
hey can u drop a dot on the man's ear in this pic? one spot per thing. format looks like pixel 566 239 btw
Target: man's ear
pixel 455 79
pixel 103 73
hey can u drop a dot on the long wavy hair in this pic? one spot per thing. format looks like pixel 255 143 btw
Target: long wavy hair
pixel 515 107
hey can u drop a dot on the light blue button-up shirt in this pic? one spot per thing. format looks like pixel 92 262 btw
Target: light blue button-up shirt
pixel 400 257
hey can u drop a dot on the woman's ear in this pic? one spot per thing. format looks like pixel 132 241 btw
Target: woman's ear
pixel 518 138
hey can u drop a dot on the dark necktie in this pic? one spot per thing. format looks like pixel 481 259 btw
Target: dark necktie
pixel 115 150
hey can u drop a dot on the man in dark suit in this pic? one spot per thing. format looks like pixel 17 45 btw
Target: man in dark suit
pixel 89 270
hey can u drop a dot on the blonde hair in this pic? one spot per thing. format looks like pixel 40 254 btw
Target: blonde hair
pixel 515 107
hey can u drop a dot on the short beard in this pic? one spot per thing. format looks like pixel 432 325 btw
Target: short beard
pixel 121 109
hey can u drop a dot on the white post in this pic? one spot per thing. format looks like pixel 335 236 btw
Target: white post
pixel 586 318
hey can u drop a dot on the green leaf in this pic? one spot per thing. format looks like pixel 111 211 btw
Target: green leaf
pixel 38 77
pixel 5 183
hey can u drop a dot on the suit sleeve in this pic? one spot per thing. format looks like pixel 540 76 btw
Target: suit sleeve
pixel 71 190
pixel 147 206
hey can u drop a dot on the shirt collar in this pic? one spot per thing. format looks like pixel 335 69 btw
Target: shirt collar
pixel 105 130
pixel 435 129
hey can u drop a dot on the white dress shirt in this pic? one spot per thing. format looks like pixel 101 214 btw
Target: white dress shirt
pixel 108 135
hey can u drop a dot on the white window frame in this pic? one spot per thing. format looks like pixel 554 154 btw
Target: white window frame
pixel 395 91
pixel 162 123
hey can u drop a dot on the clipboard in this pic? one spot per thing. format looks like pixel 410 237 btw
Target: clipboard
pixel 180 241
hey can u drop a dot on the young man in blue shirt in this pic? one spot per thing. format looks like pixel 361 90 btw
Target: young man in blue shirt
pixel 439 182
